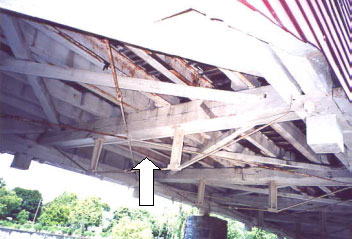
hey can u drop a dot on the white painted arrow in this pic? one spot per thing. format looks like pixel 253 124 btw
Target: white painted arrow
pixel 146 182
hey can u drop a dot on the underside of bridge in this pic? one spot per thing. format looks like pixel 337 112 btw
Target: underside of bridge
pixel 249 121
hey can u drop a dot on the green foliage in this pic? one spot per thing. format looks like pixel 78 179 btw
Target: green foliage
pixel 27 226
pixel 52 229
pixel 131 229
pixel 38 227
pixel 5 223
pixel 58 211
pixel 257 233
pixel 88 213
pixel 2 183
pixel 133 214
pixel 78 215
pixel 68 215
pixel 22 217
pixel 9 203
pixel 30 200
pixel 67 230
pixel 235 230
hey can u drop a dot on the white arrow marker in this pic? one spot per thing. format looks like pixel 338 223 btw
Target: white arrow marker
pixel 146 182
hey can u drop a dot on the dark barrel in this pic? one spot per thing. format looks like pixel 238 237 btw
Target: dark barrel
pixel 205 227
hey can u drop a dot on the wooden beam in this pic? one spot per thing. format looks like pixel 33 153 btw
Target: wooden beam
pixel 239 81
pixel 157 65
pixel 239 157
pixel 278 76
pixel 298 230
pixel 295 137
pixel 97 149
pixel 27 107
pixel 286 129
pixel 74 113
pixel 8 126
pixel 161 122
pixel 272 196
pixel 252 176
pixel 309 219
pixel 52 156
pixel 261 202
pixel 139 154
pixel 21 161
pixel 90 47
pixel 20 91
pixel 214 146
pixel 188 72
pixel 269 160
pixel 48 54
pixel 315 79
pixel 193 77
pixel 280 194
pixel 12 32
pixel 323 224
pixel 201 192
pixel 16 42
pixel 260 218
pixel 176 152
pixel 84 101
pixel 346 159
pixel 129 83
pixel 267 146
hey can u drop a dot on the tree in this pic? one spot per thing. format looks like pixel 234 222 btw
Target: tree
pixel 58 211
pixel 2 183
pixel 235 230
pixel 131 229
pixel 30 201
pixel 134 214
pixel 9 202
pixel 88 213
pixel 22 217
pixel 257 233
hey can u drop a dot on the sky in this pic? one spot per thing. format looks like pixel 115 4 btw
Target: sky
pixel 52 181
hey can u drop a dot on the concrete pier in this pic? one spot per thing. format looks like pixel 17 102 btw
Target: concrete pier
pixel 205 227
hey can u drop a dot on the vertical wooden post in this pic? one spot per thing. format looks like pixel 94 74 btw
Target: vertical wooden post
pixel 298 230
pixel 272 196
pixel 201 191
pixel 98 146
pixel 323 225
pixel 260 219
pixel 200 198
pixel 176 153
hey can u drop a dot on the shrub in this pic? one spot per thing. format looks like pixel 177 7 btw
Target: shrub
pixel 38 227
pixel 88 234
pixel 45 228
pixel 16 226
pixel 79 232
pixel 7 224
pixel 27 226
pixel 67 230
pixel 52 229
pixel 131 229
pixel 22 217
